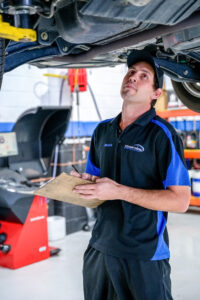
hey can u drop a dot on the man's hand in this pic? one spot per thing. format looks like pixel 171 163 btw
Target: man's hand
pixel 103 189
pixel 85 176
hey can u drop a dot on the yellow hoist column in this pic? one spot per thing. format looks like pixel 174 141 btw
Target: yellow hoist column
pixel 10 32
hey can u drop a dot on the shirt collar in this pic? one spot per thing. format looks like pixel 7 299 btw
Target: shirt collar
pixel 143 120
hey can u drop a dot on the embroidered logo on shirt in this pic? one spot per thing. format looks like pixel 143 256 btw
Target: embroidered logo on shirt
pixel 107 145
pixel 136 147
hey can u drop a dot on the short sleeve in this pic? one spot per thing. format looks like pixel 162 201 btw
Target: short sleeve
pixel 171 161
pixel 92 165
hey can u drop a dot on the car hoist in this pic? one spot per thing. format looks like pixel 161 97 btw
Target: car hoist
pixel 10 32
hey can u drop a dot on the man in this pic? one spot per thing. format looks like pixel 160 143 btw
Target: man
pixel 138 166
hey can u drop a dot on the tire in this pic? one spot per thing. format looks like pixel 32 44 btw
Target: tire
pixel 188 93
pixel 2 59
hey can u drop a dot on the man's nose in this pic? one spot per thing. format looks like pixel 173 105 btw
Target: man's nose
pixel 133 77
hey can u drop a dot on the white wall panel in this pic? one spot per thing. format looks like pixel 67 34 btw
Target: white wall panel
pixel 27 87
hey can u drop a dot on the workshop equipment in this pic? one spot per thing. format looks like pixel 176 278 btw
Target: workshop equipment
pixel 10 32
pixel 77 79
pixel 23 216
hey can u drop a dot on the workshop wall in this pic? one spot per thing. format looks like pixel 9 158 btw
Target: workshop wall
pixel 27 87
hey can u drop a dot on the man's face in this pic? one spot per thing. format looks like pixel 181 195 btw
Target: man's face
pixel 138 84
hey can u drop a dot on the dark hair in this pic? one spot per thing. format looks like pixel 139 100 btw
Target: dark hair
pixel 155 86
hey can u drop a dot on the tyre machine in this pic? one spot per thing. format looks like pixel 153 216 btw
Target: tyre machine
pixel 25 156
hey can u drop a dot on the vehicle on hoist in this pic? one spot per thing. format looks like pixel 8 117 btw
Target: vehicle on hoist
pixel 96 33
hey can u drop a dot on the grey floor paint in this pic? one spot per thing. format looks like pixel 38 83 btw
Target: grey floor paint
pixel 60 277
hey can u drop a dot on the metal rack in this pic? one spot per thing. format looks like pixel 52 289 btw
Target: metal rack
pixel 188 153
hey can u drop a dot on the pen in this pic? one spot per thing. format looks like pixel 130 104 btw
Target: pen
pixel 75 169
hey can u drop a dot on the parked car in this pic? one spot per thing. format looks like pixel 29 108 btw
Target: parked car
pixel 96 33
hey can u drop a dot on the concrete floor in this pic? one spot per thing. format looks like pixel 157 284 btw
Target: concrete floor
pixel 60 277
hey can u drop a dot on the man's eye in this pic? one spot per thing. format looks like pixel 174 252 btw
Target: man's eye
pixel 144 76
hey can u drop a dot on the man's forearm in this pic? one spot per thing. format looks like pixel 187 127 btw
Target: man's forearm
pixel 164 200
pixel 174 199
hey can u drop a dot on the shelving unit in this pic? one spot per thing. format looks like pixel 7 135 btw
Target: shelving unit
pixel 188 153
pixel 192 153
pixel 165 114
pixel 194 201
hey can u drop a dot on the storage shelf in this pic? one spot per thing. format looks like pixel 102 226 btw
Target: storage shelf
pixel 194 201
pixel 188 153
pixel 177 113
pixel 192 153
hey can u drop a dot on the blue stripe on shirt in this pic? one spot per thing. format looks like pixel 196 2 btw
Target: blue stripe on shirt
pixel 91 168
pixel 162 250
pixel 177 173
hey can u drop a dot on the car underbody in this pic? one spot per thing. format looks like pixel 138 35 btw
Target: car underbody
pixel 96 33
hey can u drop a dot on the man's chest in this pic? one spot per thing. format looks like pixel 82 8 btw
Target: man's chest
pixel 128 157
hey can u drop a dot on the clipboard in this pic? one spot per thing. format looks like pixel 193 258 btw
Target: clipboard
pixel 61 189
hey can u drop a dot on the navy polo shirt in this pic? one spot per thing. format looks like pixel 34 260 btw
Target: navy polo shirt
pixel 148 154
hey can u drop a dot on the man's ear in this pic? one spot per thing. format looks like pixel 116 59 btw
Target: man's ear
pixel 157 93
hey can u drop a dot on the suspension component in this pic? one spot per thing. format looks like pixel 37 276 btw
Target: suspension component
pixel 16 7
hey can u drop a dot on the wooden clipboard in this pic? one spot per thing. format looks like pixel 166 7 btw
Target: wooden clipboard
pixel 61 189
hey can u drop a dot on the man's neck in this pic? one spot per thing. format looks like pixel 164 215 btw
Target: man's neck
pixel 130 114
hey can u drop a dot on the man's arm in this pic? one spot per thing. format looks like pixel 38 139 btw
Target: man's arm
pixel 174 198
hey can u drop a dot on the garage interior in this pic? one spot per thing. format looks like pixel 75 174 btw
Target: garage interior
pixel 47 140
pixel 60 277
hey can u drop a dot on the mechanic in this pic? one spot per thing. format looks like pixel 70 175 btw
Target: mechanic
pixel 137 163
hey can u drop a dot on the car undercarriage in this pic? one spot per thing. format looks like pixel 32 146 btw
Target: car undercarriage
pixel 96 33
